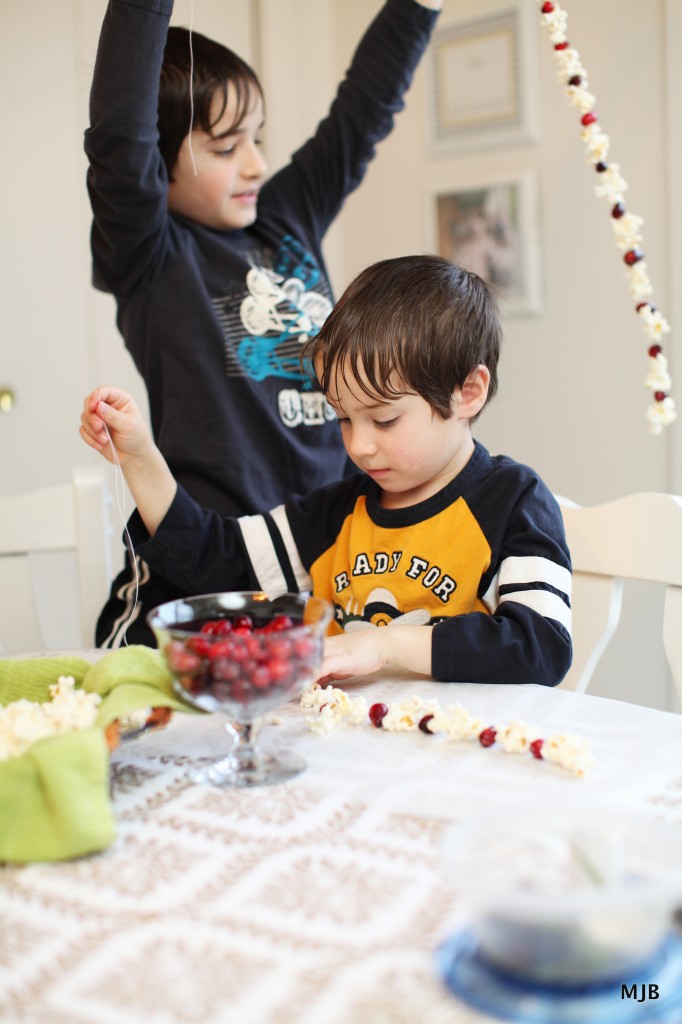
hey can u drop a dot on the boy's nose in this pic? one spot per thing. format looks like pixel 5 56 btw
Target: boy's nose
pixel 361 444
pixel 254 166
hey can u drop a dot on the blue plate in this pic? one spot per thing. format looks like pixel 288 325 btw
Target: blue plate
pixel 476 982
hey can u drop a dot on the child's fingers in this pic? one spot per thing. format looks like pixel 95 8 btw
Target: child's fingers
pixel 112 418
pixel 93 426
pixel 111 423
pixel 91 440
pixel 114 397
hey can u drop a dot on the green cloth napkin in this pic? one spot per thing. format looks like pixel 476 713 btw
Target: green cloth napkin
pixel 54 799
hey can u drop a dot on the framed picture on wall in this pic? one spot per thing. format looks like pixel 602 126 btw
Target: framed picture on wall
pixel 492 228
pixel 485 80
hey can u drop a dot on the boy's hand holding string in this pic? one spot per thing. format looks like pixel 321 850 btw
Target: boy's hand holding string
pixel 111 415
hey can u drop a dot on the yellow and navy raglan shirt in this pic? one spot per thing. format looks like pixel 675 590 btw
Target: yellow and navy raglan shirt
pixel 484 560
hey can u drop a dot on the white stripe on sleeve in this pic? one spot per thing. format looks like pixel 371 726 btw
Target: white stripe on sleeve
pixel 282 523
pixel 262 553
pixel 542 602
pixel 535 569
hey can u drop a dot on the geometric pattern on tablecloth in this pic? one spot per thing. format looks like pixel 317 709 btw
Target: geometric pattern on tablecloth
pixel 318 902
pixel 231 907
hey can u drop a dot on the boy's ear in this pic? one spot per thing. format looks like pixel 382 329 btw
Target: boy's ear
pixel 472 397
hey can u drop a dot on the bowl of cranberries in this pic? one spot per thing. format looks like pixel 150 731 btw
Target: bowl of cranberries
pixel 243 654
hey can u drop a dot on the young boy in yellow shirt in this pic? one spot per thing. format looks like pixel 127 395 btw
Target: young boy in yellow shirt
pixel 437 557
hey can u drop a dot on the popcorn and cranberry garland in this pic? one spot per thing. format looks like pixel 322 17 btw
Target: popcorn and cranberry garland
pixel 332 706
pixel 627 226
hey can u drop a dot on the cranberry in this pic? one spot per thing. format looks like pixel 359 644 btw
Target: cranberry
pixel 260 677
pixel 536 749
pixel 601 167
pixel 575 80
pixel 280 622
pixel 547 7
pixel 655 350
pixel 279 669
pixel 377 713
pixel 617 211
pixel 424 724
pixel 660 395
pixel 641 305
pixel 200 646
pixel 224 668
pixel 562 46
pixel 633 256
pixel 181 660
pixel 243 622
pixel 217 627
pixel 240 652
pixel 253 645
pixel 280 646
pixel 487 737
pixel 221 649
pixel 587 119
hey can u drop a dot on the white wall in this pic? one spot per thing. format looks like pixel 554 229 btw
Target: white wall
pixel 571 399
pixel 58 337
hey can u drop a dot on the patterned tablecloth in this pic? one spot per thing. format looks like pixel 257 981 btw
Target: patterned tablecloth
pixel 317 902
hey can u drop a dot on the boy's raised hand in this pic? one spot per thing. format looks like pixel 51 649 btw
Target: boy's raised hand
pixel 150 480
pixel 115 410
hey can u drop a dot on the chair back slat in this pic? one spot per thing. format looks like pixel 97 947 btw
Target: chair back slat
pixel 637 537
pixel 64 531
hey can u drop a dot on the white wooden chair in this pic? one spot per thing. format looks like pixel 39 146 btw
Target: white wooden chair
pixel 635 537
pixel 55 564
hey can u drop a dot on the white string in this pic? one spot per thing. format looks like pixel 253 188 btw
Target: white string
pixel 121 503
pixel 191 87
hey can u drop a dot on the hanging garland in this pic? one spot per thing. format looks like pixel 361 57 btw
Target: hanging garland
pixel 627 226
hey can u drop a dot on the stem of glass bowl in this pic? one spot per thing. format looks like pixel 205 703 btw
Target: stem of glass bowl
pixel 245 751
pixel 247 764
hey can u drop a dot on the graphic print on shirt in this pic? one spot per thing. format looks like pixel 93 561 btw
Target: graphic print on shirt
pixel 381 609
pixel 265 326
pixel 412 575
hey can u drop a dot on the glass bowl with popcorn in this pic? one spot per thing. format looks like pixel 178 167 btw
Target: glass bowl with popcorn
pixel 242 654
pixel 571 898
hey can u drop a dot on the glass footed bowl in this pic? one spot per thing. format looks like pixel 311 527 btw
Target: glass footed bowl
pixel 243 654
pixel 568 898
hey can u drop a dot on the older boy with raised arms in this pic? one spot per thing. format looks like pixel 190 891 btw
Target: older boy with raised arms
pixel 218 272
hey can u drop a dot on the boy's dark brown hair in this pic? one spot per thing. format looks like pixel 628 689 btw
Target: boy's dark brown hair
pixel 215 68
pixel 419 323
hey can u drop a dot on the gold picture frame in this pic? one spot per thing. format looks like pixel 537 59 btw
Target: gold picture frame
pixel 484 80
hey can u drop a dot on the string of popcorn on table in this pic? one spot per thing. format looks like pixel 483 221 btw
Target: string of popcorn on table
pixel 333 706
pixel 627 226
